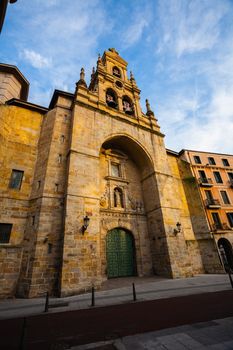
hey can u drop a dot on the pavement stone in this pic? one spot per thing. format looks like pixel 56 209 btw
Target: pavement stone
pixel 197 336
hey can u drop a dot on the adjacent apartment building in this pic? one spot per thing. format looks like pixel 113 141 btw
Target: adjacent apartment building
pixel 214 175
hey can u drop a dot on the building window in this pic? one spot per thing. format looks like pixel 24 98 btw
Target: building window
pixel 127 105
pixel 38 184
pixel 16 179
pixel 216 219
pixel 111 98
pixel 217 177
pixel 225 162
pixel 33 220
pixel 209 196
pixel 5 232
pixel 211 161
pixel 230 175
pixel 230 219
pixel 202 175
pixel 197 159
pixel 56 187
pixel 118 198
pixel 115 169
pixel 59 158
pixel 50 248
pixel 62 138
pixel 116 71
pixel 225 197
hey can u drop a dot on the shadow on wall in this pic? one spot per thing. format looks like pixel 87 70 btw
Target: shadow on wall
pixel 203 250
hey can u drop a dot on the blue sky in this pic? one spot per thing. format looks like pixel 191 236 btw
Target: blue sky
pixel 180 51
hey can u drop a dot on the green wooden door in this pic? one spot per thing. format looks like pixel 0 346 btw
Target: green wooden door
pixel 120 254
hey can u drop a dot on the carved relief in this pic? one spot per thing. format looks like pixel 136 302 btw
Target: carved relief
pixel 136 204
pixel 104 201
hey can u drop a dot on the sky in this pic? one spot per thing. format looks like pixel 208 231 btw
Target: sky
pixel 180 51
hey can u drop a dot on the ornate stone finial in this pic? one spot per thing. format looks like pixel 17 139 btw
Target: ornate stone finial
pixel 82 78
pixel 93 70
pixel 82 74
pixel 99 61
pixel 132 79
pixel 148 109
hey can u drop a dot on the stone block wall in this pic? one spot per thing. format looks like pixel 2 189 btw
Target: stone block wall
pixel 10 258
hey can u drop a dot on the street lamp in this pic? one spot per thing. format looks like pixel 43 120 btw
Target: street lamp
pixel 86 221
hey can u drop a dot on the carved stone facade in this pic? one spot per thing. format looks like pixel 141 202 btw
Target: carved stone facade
pixel 95 154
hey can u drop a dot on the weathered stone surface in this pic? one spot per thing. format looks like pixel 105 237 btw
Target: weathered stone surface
pixel 67 157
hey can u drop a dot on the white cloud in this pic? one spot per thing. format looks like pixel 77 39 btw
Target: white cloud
pixel 190 26
pixel 36 59
pixel 134 32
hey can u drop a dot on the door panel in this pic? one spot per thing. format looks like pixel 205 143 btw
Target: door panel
pixel 120 254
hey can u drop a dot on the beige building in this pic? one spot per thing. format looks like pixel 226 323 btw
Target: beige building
pixel 88 191
pixel 214 174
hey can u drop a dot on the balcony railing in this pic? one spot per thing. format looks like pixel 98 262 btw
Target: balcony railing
pixel 206 182
pixel 212 203
pixel 221 227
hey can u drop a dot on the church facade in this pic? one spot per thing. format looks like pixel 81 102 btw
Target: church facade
pixel 89 192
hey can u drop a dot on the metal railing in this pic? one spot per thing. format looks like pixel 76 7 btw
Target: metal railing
pixel 205 181
pixel 212 202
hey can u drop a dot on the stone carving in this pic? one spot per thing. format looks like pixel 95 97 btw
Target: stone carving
pixel 104 199
pixel 136 204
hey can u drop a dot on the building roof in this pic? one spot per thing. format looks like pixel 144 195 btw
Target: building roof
pixel 8 68
pixel 191 150
pixel 27 105
pixel 58 93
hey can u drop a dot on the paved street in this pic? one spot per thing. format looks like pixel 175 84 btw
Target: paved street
pixel 119 323
pixel 212 335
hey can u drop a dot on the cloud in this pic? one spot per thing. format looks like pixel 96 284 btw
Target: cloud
pixel 134 32
pixel 134 27
pixel 190 26
pixel 36 59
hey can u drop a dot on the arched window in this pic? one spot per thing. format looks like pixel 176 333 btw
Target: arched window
pixel 111 98
pixel 226 252
pixel 118 198
pixel 116 71
pixel 127 105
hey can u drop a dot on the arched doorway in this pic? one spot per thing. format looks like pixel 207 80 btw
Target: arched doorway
pixel 226 252
pixel 120 253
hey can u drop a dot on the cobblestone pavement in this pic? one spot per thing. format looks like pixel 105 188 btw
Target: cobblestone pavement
pixel 212 335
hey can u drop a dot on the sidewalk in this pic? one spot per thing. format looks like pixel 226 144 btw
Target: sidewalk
pixel 212 335
pixel 146 289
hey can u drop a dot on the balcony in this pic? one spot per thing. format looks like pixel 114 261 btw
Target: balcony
pixel 203 181
pixel 212 203
pixel 220 227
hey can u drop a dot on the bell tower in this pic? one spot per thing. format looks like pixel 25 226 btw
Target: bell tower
pixel 116 92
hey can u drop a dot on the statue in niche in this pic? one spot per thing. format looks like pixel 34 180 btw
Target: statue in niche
pixel 118 198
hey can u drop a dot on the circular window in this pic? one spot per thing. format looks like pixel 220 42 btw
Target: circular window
pixel 119 84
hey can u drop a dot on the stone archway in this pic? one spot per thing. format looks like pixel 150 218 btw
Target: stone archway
pixel 120 253
pixel 226 252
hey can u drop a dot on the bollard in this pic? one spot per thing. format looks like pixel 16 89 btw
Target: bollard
pixel 134 293
pixel 230 278
pixel 92 296
pixel 46 308
pixel 23 335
